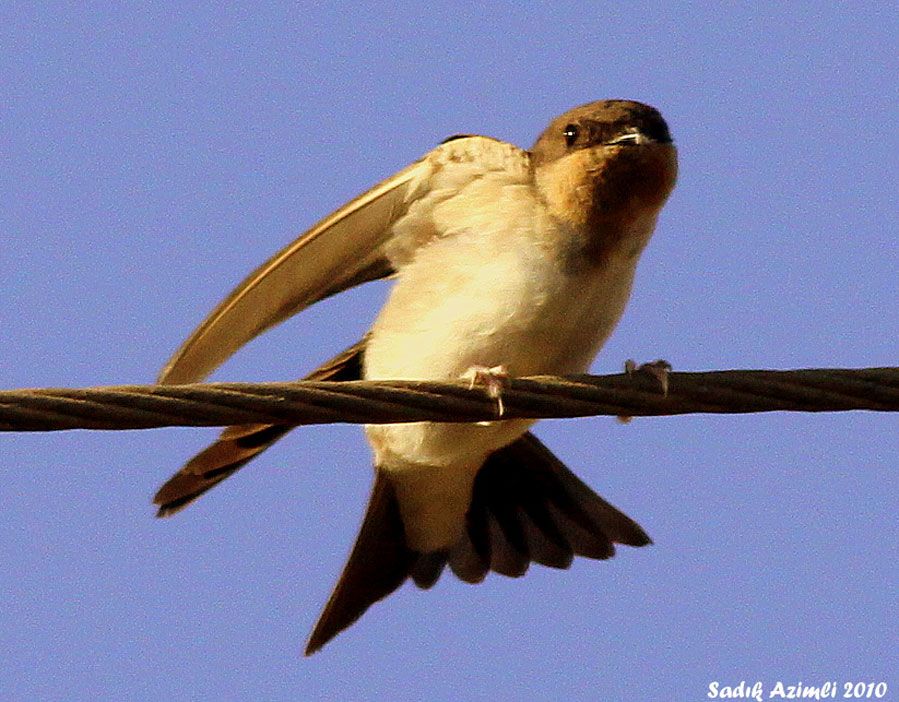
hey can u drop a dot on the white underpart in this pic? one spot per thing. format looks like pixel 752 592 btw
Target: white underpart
pixel 481 294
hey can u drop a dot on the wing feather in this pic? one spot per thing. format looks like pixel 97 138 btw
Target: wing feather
pixel 344 249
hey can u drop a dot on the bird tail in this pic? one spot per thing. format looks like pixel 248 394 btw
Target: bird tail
pixel 526 506
pixel 238 445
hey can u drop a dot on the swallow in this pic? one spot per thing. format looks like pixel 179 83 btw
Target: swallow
pixel 501 258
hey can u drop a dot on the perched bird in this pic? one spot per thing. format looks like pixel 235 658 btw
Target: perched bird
pixel 505 262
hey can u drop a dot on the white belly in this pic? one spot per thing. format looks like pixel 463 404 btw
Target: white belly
pixel 464 303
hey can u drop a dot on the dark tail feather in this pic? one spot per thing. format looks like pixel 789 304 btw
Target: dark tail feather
pixel 240 444
pixel 379 563
pixel 526 507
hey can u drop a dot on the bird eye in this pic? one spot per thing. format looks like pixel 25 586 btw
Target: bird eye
pixel 570 133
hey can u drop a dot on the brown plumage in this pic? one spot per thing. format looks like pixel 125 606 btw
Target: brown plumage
pixel 526 507
pixel 502 258
pixel 240 444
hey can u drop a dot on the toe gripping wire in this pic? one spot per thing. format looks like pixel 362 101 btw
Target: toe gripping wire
pixel 377 402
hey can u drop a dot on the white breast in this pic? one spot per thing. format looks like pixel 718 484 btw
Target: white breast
pixel 486 295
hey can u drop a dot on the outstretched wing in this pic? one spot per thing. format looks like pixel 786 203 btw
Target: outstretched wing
pixel 344 249
pixel 238 445
pixel 357 243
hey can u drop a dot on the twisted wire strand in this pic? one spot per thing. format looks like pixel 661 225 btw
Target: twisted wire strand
pixel 379 402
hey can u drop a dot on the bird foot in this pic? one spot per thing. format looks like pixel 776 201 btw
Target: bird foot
pixel 494 379
pixel 658 369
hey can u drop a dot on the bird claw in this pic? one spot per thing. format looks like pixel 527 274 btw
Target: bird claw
pixel 494 379
pixel 658 369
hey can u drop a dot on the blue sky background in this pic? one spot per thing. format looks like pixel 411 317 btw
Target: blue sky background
pixel 152 156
